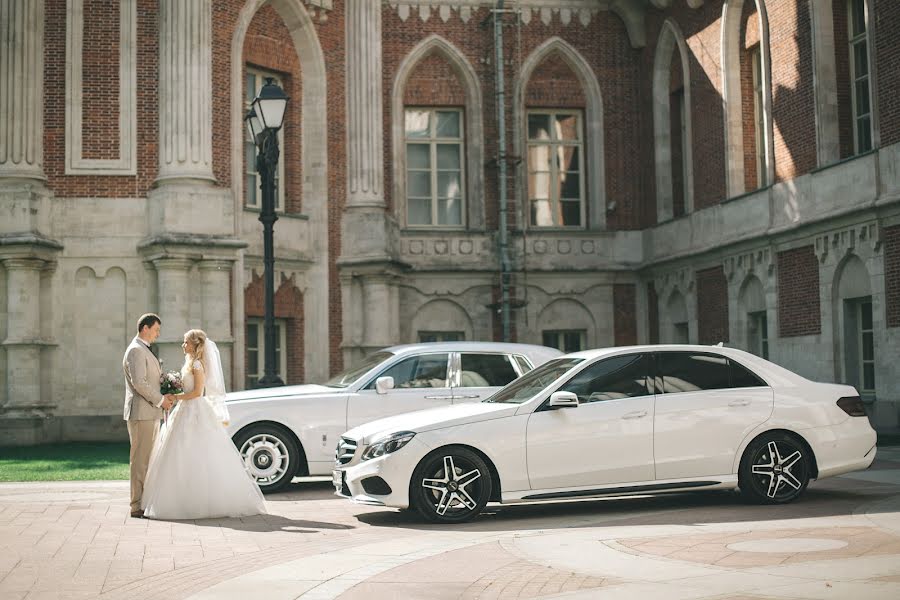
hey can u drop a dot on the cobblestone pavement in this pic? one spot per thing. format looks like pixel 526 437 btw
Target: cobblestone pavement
pixel 841 540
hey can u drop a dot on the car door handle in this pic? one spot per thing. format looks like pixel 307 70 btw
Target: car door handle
pixel 470 397
pixel 739 403
pixel 638 414
pixel 439 397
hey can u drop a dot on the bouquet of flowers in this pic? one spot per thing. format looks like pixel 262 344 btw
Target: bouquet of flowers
pixel 170 383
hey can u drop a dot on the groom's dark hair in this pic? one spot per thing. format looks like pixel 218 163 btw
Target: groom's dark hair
pixel 148 320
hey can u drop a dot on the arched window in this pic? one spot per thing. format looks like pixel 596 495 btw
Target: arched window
pixel 856 328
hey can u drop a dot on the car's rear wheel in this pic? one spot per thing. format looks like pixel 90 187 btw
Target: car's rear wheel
pixel 270 455
pixel 775 469
pixel 451 485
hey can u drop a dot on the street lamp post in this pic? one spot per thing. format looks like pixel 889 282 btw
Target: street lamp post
pixel 264 119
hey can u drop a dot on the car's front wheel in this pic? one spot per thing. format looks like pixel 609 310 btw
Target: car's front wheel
pixel 451 485
pixel 775 469
pixel 270 454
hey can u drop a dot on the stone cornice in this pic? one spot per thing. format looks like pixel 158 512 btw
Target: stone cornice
pixel 192 240
pixel 29 239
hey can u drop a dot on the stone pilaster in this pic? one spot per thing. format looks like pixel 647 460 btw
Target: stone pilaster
pixel 173 306
pixel 216 306
pixel 22 82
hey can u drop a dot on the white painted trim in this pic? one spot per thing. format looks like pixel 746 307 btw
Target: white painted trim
pixel 731 94
pixel 669 36
pixel 126 164
pixel 593 127
pixel 473 216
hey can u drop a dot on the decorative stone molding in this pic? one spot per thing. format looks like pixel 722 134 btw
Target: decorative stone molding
pixel 126 164
pixel 446 246
pixel 864 237
pixel 758 262
pixel 22 82
pixel 681 279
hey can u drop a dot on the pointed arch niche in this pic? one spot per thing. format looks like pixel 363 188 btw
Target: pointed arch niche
pixel 593 125
pixel 665 121
pixel 473 119
pixel 732 96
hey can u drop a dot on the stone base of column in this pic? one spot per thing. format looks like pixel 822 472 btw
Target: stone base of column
pixel 24 206
pixel 368 233
pixel 191 206
pixel 31 430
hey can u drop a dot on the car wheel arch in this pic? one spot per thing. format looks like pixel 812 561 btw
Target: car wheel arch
pixel 742 454
pixel 495 475
pixel 303 466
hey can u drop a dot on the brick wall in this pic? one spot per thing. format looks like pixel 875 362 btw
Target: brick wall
pixel 289 307
pixel 891 236
pixel 676 102
pixel 553 84
pixel 842 67
pixel 100 80
pixel 625 314
pixel 799 311
pixel 712 306
pixel 434 83
pixel 886 59
pixel 749 44
pixel 653 310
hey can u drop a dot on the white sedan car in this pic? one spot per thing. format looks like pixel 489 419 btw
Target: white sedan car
pixel 614 421
pixel 286 431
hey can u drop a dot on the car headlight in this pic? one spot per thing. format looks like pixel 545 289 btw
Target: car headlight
pixel 387 444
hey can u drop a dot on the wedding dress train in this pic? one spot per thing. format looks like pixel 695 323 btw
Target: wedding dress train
pixel 195 470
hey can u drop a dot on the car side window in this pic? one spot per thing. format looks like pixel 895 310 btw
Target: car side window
pixel 423 371
pixel 617 377
pixel 743 377
pixel 485 370
pixel 692 372
pixel 524 365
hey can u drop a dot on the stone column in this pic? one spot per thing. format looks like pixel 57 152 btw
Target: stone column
pixel 23 338
pixel 216 320
pixel 22 82
pixel 825 82
pixel 173 307
pixel 185 90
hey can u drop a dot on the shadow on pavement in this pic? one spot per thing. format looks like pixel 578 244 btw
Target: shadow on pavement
pixel 269 523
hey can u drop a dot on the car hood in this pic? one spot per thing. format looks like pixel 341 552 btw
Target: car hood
pixel 284 391
pixel 435 418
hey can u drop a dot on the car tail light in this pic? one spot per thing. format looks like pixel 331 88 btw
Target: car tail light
pixel 853 406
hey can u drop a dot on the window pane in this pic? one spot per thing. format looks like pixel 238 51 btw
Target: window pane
pixel 539 158
pixel 448 156
pixel 683 372
pixel 858 16
pixel 765 350
pixel 418 184
pixel 539 184
pixel 449 211
pixel 447 124
pixel 571 213
pixel 251 190
pixel 572 341
pixel 681 333
pixel 551 339
pixel 866 310
pixel 741 377
pixel 568 158
pixel 419 211
pixel 449 184
pixel 427 371
pixel 249 88
pixel 860 60
pixel 418 156
pixel 868 345
pixel 538 127
pixel 417 123
pixel 567 127
pixel 483 370
pixel 864 134
pixel 862 97
pixel 868 376
pixel 617 377
pixel 541 215
pixel 249 157
pixel 570 185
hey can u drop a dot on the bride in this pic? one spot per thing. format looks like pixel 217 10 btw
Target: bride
pixel 195 471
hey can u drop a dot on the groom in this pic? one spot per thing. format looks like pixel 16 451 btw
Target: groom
pixel 143 403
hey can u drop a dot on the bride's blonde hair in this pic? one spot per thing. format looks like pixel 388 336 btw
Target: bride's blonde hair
pixel 197 338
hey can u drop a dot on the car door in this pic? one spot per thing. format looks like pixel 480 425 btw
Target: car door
pixel 420 381
pixel 606 439
pixel 705 407
pixel 477 375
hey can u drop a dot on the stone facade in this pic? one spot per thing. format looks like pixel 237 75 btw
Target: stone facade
pixel 720 185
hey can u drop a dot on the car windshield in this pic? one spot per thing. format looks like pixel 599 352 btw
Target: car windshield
pixel 348 376
pixel 530 384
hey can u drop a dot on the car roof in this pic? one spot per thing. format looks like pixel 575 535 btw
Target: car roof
pixel 511 347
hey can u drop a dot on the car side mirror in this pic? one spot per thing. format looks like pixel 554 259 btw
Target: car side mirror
pixel 563 400
pixel 383 384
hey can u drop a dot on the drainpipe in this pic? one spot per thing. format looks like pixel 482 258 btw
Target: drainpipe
pixel 501 163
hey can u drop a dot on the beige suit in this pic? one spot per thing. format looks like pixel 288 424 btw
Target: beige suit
pixel 142 411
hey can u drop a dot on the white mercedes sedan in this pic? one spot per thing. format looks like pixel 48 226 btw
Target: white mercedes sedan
pixel 286 431
pixel 613 421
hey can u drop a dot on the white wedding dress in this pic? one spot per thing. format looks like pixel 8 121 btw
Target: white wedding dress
pixel 195 470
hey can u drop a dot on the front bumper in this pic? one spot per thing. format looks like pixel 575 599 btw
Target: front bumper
pixel 394 469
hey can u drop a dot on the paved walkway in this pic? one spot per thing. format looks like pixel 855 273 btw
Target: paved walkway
pixel 842 540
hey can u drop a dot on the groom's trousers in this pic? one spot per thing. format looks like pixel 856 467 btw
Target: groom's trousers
pixel 142 435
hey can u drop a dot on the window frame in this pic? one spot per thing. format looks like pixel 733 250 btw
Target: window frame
pixel 760 321
pixel 759 119
pixel 657 373
pixel 861 353
pixel 852 42
pixel 560 333
pixel 370 385
pixel 555 200
pixel 260 348
pixel 433 141
pixel 456 375
pixel 650 383
pixel 250 166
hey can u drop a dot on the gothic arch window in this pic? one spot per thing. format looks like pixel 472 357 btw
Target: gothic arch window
pixel 593 190
pixel 672 125
pixel 747 92
pixel 466 168
pixel 856 324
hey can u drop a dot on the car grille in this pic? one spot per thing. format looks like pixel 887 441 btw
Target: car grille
pixel 346 448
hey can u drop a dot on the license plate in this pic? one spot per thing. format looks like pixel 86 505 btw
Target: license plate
pixel 337 479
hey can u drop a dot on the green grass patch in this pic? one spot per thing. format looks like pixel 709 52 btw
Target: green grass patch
pixel 74 461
